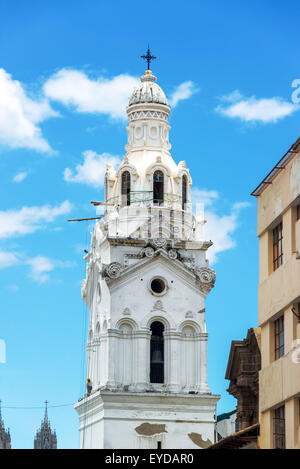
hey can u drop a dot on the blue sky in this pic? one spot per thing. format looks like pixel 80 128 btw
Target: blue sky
pixel 66 71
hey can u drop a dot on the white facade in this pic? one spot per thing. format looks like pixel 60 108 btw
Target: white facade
pixel 226 424
pixel 146 283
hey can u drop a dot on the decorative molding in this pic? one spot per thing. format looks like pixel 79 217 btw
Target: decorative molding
pixel 147 115
pixel 131 256
pixel 189 314
pixel 158 306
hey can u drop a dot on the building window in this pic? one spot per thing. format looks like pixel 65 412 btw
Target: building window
pixel 158 187
pixel 125 190
pixel 279 428
pixel 159 445
pixel 157 353
pixel 184 191
pixel 279 337
pixel 296 311
pixel 298 212
pixel 277 246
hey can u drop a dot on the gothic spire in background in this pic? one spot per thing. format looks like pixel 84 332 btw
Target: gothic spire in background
pixel 5 442
pixel 45 438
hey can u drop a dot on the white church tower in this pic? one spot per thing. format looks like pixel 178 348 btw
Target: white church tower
pixel 147 278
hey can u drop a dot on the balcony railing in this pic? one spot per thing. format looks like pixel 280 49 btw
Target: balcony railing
pixel 145 199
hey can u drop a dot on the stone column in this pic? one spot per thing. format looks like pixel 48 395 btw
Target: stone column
pixel 203 388
pixel 89 351
pixel 172 358
pixel 292 419
pixel 142 338
pixel 97 362
pixel 112 343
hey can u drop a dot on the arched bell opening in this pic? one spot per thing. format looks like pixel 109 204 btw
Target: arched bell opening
pixel 157 353
pixel 158 188
pixel 125 189
pixel 184 192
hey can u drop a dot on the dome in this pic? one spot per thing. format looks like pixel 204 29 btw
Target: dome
pixel 148 91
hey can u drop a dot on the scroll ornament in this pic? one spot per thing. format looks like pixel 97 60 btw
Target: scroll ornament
pixel 148 252
pixel 113 270
pixel 207 278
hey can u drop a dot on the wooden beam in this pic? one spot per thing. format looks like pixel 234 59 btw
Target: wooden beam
pixel 101 203
pixel 83 219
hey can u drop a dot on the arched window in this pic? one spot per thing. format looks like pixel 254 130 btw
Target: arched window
pixel 157 353
pixel 125 189
pixel 184 191
pixel 158 188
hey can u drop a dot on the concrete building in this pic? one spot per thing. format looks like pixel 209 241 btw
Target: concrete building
pixel 278 229
pixel 239 429
pixel 242 371
pixel 147 278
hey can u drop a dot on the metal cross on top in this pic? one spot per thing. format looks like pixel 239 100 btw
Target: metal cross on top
pixel 148 57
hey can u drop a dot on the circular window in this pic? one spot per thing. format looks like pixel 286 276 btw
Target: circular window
pixel 158 286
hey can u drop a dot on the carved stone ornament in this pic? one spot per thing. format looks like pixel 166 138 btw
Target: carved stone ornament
pixel 172 254
pixel 159 243
pixel 189 262
pixel 126 312
pixel 207 278
pixel 206 275
pixel 149 252
pixel 113 270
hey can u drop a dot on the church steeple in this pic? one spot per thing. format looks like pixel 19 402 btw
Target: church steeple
pixel 148 112
pixel 45 437
pixel 147 278
pixel 5 442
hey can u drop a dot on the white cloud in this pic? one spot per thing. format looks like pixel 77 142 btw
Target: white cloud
pixel 41 266
pixel 29 219
pixel 203 196
pixel 255 110
pixel 7 259
pixel 101 95
pixel 19 177
pixel 92 170
pixel 232 97
pixel 183 91
pixel 218 228
pixel 20 116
